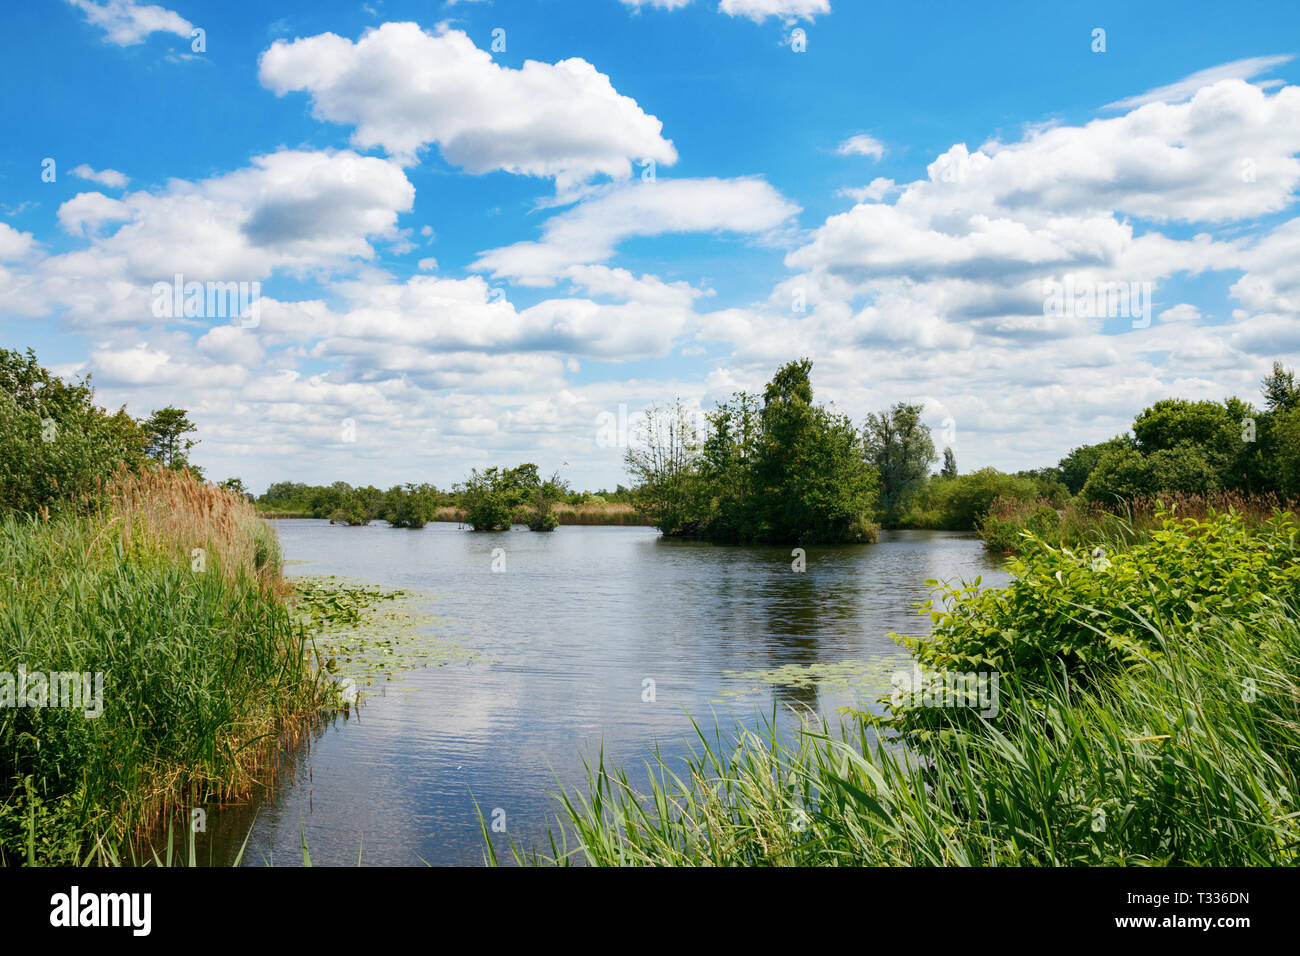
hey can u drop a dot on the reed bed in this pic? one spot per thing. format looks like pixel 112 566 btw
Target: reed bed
pixel 1146 712
pixel 1083 523
pixel 1191 759
pixel 205 676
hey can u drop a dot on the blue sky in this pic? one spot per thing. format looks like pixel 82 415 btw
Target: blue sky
pixel 462 257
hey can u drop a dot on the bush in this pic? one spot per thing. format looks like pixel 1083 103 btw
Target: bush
pixel 1079 611
pixel 57 448
pixel 783 471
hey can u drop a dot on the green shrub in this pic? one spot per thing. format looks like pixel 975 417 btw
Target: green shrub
pixel 1075 609
pixel 57 448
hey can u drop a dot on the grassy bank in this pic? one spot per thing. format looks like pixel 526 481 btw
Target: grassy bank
pixel 1148 713
pixel 172 592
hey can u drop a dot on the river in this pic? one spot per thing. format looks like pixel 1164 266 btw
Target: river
pixel 555 652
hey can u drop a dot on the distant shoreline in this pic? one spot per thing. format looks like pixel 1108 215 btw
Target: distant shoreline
pixel 608 513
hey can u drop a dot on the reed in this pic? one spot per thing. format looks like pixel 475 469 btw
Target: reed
pixel 1147 712
pixel 1081 523
pixel 1169 764
pixel 206 678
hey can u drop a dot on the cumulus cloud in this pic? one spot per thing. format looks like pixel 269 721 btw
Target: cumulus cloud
pixel 1183 312
pixel 876 190
pixel 14 244
pixel 404 89
pixel 619 316
pixel 293 211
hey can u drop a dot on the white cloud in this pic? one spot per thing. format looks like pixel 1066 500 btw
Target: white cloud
pixel 862 145
pixel 1187 87
pixel 1183 312
pixel 291 211
pixel 875 191
pixel 126 22
pixel 787 10
pixel 404 89
pixel 105 177
pixel 658 4
pixel 590 231
pixel 84 213
pixel 13 244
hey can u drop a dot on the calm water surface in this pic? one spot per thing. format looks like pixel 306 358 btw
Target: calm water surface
pixel 565 639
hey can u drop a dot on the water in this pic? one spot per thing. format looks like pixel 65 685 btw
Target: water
pixel 566 639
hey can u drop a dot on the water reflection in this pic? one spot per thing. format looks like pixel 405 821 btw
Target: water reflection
pixel 568 635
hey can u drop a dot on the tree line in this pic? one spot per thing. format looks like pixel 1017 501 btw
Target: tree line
pixel 774 467
pixel 779 468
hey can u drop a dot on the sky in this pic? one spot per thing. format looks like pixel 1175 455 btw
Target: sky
pixel 388 242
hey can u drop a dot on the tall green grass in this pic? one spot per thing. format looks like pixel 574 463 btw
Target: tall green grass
pixel 1182 762
pixel 1187 753
pixel 205 674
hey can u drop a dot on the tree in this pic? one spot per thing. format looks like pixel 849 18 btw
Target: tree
pixel 165 440
pixel 1284 461
pixel 233 484
pixel 665 462
pixel 1076 466
pixel 1127 473
pixel 491 497
pixel 541 515
pixel 949 469
pixel 1281 393
pixel 787 471
pixel 57 447
pixel 899 446
pixel 411 506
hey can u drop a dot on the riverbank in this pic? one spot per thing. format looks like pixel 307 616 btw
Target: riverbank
pixel 612 513
pixel 167 610
pixel 1135 707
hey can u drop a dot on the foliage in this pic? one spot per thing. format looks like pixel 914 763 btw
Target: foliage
pixel 490 498
pixel 1073 610
pixel 203 669
pixel 665 464
pixel 960 503
pixel 949 469
pixel 783 470
pixel 57 448
pixel 165 441
pixel 410 506
pixel 898 445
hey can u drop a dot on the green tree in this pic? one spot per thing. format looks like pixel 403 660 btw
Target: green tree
pixel 1128 473
pixel 1076 466
pixel 899 446
pixel 165 440
pixel 664 460
pixel 57 447
pixel 787 471
pixel 492 497
pixel 949 469
pixel 1281 393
